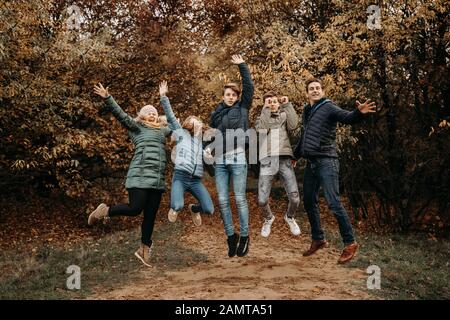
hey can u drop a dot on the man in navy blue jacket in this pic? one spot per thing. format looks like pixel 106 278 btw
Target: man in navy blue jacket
pixel 317 145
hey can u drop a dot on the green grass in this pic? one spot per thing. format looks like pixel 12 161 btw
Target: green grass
pixel 105 263
pixel 412 266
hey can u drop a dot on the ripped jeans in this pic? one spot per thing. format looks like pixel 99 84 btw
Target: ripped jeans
pixel 270 166
pixel 234 168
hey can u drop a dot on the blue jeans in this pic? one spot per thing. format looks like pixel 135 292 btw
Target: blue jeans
pixel 234 167
pixel 325 172
pixel 183 182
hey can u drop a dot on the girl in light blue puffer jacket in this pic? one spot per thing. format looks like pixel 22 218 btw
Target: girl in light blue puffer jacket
pixel 188 171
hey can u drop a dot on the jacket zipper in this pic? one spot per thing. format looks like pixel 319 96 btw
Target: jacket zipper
pixel 160 158
pixel 142 156
pixel 313 111
pixel 304 138
pixel 196 156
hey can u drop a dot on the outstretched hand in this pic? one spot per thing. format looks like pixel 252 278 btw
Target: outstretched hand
pixel 237 59
pixel 163 89
pixel 101 91
pixel 366 107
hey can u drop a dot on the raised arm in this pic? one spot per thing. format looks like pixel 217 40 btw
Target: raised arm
pixel 127 121
pixel 171 119
pixel 248 87
pixel 292 119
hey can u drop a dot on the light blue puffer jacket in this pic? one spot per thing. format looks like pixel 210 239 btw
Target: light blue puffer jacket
pixel 189 149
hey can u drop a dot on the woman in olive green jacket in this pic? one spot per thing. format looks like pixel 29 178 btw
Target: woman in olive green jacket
pixel 145 177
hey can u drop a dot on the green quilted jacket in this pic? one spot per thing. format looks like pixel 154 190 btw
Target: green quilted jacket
pixel 148 166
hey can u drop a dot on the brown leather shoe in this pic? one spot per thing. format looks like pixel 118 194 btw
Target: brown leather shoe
pixel 316 245
pixel 348 253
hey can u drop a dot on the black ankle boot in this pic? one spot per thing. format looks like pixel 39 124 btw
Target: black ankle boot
pixel 232 244
pixel 244 243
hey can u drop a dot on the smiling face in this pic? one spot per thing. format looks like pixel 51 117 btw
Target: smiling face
pixel 150 117
pixel 314 92
pixel 149 114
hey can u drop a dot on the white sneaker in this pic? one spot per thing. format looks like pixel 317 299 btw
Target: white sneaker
pixel 172 215
pixel 265 231
pixel 295 229
pixel 196 217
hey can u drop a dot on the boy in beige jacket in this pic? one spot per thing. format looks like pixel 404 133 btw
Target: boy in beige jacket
pixel 275 124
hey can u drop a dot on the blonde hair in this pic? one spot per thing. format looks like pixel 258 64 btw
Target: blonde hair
pixel 187 124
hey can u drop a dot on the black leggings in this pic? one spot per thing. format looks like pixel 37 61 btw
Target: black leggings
pixel 141 199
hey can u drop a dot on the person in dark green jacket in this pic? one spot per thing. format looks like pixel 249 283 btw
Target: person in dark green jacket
pixel 145 178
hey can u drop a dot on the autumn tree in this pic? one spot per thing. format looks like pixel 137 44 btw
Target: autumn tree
pixel 55 133
pixel 57 136
pixel 394 166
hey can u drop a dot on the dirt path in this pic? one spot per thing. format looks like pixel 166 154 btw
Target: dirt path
pixel 273 269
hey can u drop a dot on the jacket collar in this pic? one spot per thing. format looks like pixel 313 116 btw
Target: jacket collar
pixel 224 105
pixel 312 109
pixel 317 103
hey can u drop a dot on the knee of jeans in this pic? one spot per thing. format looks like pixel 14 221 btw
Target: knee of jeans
pixel 309 205
pixel 294 198
pixel 336 207
pixel 223 200
pixel 240 199
pixel 262 202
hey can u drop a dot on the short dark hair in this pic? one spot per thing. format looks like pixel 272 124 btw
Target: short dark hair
pixel 269 94
pixel 233 86
pixel 311 80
